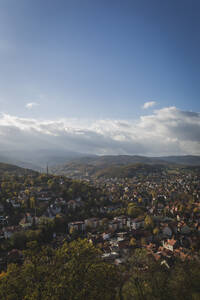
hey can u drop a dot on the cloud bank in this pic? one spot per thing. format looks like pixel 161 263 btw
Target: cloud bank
pixel 168 131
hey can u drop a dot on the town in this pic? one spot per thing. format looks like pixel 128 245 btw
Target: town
pixel 158 211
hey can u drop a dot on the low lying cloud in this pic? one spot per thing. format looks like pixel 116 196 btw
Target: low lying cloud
pixel 30 105
pixel 148 104
pixel 168 131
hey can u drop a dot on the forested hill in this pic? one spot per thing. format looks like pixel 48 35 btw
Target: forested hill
pixel 76 170
pixel 14 170
pixel 132 159
pixel 129 170
pixel 120 171
pixel 60 161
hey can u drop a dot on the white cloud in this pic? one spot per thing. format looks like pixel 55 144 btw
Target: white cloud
pixel 30 105
pixel 148 104
pixel 168 131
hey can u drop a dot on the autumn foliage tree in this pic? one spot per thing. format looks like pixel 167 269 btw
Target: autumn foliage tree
pixel 74 271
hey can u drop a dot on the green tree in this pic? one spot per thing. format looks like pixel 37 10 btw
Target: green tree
pixel 134 211
pixel 148 222
pixel 74 271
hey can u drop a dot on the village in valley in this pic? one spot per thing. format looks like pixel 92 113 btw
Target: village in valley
pixel 158 211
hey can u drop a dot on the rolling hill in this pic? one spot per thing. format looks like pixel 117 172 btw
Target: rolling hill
pixel 15 170
pixel 121 164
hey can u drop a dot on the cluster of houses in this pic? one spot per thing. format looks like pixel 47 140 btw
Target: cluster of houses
pixel 173 239
pixel 171 201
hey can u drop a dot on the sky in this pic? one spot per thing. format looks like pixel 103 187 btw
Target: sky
pixel 100 76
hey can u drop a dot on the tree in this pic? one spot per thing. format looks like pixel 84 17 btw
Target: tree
pixel 145 279
pixel 134 211
pixel 156 231
pixel 184 281
pixel 18 240
pixel 74 271
pixel 32 202
pixel 148 222
pixel 132 242
pixel 85 276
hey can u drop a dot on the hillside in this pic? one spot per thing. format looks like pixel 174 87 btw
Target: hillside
pixel 124 164
pixel 118 160
pixel 15 170
pixel 132 159
pixel 192 160
pixel 129 170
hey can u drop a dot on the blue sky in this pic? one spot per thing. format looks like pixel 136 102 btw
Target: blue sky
pixel 98 60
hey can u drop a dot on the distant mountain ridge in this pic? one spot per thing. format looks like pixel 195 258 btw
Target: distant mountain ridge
pixel 99 165
pixel 38 160
pixel 131 159
pixel 65 161
pixel 192 160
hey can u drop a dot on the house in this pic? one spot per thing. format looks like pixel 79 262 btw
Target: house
pixel 15 204
pixel 103 222
pixel 113 225
pixel 28 221
pixel 119 261
pixel 122 234
pixel 136 223
pixel 164 263
pixel 44 198
pixel 43 192
pixel 106 236
pixel 77 226
pixel 122 220
pixel 170 244
pixel 73 204
pixel 60 201
pixel 55 209
pixel 110 256
pixel 92 222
